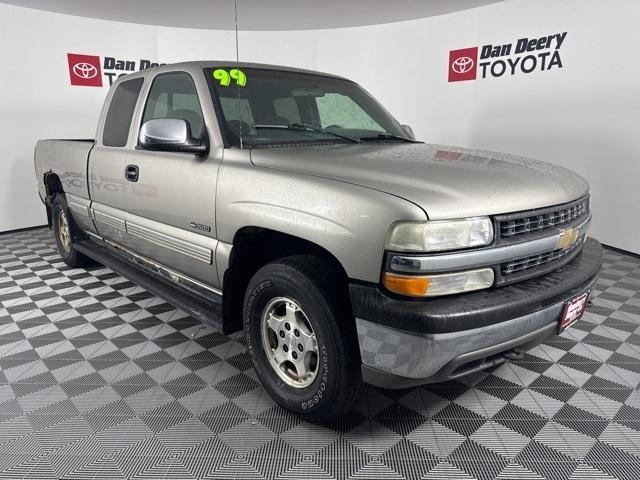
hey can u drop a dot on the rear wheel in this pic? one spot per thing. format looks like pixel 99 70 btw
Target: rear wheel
pixel 66 233
pixel 301 337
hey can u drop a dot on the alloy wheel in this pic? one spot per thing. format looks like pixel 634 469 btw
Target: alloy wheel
pixel 290 342
pixel 63 231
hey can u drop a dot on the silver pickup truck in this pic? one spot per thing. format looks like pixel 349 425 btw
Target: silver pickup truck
pixel 292 205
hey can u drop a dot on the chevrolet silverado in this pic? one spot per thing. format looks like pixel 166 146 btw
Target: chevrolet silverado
pixel 291 204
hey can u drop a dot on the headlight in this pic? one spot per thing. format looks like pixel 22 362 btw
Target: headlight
pixel 440 235
pixel 438 284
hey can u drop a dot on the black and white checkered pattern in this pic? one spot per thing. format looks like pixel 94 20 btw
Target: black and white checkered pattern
pixel 100 379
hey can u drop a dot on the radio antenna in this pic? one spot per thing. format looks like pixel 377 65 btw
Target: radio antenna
pixel 235 14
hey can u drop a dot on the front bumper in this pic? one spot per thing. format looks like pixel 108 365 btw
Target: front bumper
pixel 410 342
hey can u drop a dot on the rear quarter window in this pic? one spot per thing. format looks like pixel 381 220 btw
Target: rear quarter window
pixel 118 121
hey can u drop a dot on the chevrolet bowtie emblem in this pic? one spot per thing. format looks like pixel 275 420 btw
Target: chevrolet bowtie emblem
pixel 567 239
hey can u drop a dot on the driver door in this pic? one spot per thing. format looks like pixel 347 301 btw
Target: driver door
pixel 171 201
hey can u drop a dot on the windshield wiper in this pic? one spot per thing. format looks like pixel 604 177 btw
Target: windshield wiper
pixel 390 136
pixel 309 128
pixel 306 126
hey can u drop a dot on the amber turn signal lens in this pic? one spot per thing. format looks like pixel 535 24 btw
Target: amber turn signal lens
pixel 435 285
pixel 406 284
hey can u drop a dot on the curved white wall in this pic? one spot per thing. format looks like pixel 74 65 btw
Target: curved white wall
pixel 38 101
pixel 583 116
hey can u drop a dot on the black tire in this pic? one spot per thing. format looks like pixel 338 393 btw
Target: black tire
pixel 69 254
pixel 315 286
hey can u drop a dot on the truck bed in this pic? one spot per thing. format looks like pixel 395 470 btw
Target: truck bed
pixel 67 159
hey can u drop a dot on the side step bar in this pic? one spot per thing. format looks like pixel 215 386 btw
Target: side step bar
pixel 207 310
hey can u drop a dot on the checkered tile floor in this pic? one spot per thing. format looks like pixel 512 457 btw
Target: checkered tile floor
pixel 100 379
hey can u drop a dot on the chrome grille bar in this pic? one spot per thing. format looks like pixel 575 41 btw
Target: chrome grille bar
pixel 526 263
pixel 537 221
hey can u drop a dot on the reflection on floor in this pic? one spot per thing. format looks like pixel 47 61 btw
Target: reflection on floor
pixel 100 379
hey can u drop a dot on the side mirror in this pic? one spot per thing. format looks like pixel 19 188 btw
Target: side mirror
pixel 409 131
pixel 169 135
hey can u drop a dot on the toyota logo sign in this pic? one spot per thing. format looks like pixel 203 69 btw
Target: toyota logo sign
pixel 84 70
pixel 459 65
pixel 463 64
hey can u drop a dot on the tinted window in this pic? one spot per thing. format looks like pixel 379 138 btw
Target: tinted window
pixel 118 121
pixel 173 95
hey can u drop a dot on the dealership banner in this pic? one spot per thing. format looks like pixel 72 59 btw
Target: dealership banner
pixel 523 56
pixel 96 71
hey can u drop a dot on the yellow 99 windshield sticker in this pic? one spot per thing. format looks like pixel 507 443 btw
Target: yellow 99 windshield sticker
pixel 225 77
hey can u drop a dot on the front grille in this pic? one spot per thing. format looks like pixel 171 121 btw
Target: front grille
pixel 526 263
pixel 537 221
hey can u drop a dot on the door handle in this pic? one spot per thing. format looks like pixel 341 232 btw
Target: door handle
pixel 131 173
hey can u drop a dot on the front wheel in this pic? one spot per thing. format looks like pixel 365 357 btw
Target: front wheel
pixel 301 337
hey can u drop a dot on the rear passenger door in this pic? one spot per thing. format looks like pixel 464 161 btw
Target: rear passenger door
pixel 107 161
pixel 171 205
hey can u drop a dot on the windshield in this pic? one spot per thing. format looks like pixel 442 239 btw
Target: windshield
pixel 267 107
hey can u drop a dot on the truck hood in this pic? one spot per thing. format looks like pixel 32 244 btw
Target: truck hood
pixel 447 182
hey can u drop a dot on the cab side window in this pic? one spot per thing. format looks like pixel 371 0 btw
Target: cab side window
pixel 118 121
pixel 174 95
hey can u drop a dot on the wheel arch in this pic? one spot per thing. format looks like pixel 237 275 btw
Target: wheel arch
pixel 254 247
pixel 53 186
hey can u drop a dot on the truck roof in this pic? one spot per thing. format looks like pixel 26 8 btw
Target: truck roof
pixel 264 66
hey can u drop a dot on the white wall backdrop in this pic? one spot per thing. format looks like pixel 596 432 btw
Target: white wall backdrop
pixel 38 101
pixel 584 116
